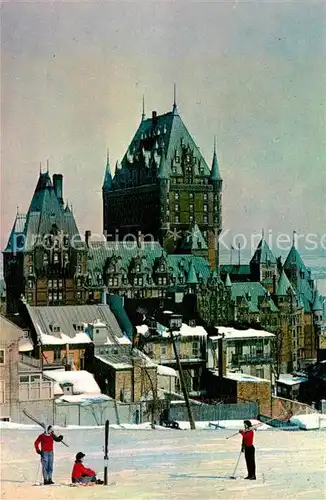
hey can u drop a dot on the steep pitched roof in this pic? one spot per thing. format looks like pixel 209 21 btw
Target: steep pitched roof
pixel 228 282
pixel 155 147
pixel 317 305
pixel 16 237
pixel 45 212
pixel 191 275
pixel 294 260
pixel 194 239
pixel 254 293
pixel 215 171
pixel 284 286
pixel 263 254
pixel 107 183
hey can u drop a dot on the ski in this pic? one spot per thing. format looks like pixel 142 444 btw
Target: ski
pixel 28 415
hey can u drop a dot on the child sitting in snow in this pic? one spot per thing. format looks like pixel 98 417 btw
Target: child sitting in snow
pixel 80 474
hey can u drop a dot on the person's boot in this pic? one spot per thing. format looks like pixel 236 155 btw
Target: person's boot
pixel 50 481
pixel 252 478
pixel 248 477
pixel 99 481
pixel 46 481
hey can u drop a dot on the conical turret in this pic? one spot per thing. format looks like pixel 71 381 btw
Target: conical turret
pixel 107 184
pixel 215 171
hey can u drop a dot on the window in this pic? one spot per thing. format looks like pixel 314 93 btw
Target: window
pixel 30 269
pixel 205 234
pixel 23 379
pixel 2 356
pixel 191 196
pixel 50 296
pixel 162 268
pixel 205 219
pixel 164 280
pixel 159 280
pixel 177 219
pixel 79 269
pixel 45 258
pixel 138 281
pixel 2 393
pixel 29 297
pixel 191 218
pixel 60 283
pixel 115 281
pixel 110 282
pixel 205 208
pixel 79 295
pixel 60 296
pixel 78 282
pixel 205 196
pixel 195 349
pixel 55 258
pixel 176 196
pixel 57 353
pixel 138 268
pixel 177 159
pixel 191 207
pixel 163 350
pixel 55 284
pixel 50 284
pixel 174 170
pixel 177 208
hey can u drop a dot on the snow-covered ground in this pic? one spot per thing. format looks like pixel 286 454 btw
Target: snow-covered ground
pixel 152 465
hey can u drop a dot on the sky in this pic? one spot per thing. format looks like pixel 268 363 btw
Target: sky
pixel 251 73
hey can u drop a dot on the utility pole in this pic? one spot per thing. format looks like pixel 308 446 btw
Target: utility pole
pixel 183 385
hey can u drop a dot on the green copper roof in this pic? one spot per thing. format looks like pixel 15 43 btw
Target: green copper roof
pixel 294 260
pixel 160 147
pixel 254 293
pixel 45 212
pixel 215 171
pixel 16 237
pixel 191 275
pixel 317 305
pixel 194 239
pixel 284 286
pixel 263 254
pixel 232 269
pixel 107 183
pixel 228 281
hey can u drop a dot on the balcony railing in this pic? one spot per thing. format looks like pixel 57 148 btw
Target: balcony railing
pixel 195 356
pixel 251 359
pixel 28 360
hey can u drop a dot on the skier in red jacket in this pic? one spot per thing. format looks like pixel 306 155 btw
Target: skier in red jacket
pixel 46 441
pixel 249 449
pixel 81 474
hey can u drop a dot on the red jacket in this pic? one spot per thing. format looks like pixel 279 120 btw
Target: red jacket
pixel 79 470
pixel 247 438
pixel 46 441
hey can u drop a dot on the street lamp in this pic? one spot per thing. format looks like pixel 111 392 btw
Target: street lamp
pixel 175 324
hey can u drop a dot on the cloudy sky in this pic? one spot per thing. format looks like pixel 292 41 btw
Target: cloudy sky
pixel 253 73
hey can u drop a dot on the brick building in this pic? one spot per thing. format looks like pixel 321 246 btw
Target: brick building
pixel 163 185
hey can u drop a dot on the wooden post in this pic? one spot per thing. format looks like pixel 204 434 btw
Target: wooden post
pixel 106 452
pixel 183 385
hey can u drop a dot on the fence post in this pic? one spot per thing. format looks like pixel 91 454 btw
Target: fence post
pixel 106 451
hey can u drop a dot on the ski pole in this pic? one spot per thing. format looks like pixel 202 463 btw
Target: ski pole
pixel 236 465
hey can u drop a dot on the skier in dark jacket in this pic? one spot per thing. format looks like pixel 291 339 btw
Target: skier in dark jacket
pixel 81 474
pixel 249 449
pixel 46 441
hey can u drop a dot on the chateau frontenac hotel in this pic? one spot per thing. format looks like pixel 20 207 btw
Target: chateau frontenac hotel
pixel 163 189
pixel 163 186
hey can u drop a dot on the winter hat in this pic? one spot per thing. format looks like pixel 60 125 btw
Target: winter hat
pixel 247 423
pixel 80 455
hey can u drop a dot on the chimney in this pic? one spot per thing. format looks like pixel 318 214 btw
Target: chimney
pixel 140 240
pixel 88 234
pixel 154 118
pixel 58 189
pixel 104 301
pixel 274 284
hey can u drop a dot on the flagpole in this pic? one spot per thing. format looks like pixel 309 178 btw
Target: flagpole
pixel 239 254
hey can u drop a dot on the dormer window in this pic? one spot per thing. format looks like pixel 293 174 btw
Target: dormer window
pixel 30 269
pixel 177 159
pixel 162 268
pixel 55 258
pixel 79 327
pixel 174 170
pixel 138 268
pixel 55 328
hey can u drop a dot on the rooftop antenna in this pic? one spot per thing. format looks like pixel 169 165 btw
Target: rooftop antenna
pixel 143 114
pixel 174 97
pixel 294 238
pixel 47 166
pixel 107 156
pixel 17 209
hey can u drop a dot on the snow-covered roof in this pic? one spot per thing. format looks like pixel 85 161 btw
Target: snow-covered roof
pixel 142 329
pixel 82 381
pixel 243 377
pixel 185 331
pixel 119 340
pixel 25 345
pixel 289 379
pixel 229 333
pixel 83 398
pixel 62 339
pixel 166 371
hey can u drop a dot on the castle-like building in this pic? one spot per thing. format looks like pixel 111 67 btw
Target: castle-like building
pixel 164 195
pixel 164 185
